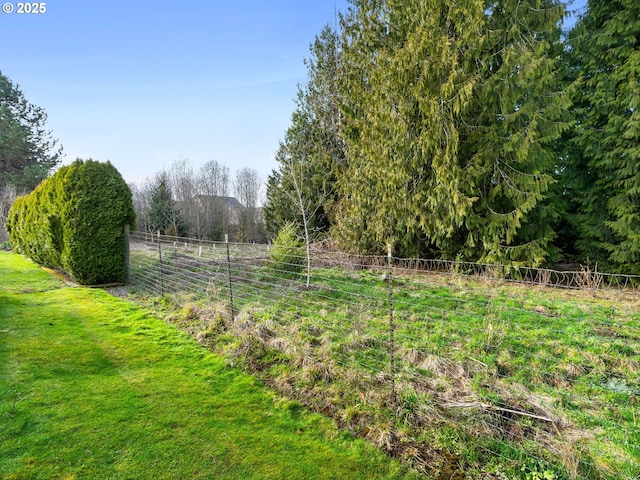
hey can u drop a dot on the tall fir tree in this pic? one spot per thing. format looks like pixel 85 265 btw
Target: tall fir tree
pixel 449 114
pixel 603 160
pixel 519 110
pixel 312 150
pixel 405 84
pixel 28 152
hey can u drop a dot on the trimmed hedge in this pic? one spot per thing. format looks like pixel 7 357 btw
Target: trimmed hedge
pixel 74 221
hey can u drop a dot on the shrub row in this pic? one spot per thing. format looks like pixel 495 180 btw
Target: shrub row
pixel 74 221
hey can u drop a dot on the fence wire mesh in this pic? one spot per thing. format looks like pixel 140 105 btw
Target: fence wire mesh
pixel 525 371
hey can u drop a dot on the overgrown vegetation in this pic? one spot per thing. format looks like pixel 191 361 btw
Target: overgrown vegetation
pixel 490 378
pixel 471 130
pixel 74 221
pixel 93 387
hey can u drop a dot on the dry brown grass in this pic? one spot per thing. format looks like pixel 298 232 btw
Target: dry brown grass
pixel 444 367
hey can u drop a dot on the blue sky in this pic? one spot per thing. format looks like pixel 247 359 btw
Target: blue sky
pixel 144 84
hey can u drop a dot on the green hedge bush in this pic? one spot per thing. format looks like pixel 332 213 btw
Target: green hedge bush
pixel 74 221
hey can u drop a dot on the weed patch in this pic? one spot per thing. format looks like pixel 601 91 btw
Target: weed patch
pixel 511 373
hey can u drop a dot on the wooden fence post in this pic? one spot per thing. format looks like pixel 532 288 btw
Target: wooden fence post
pixel 127 257
pixel 231 306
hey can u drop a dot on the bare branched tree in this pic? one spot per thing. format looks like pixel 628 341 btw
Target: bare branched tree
pixel 296 172
pixel 246 186
pixel 182 181
pixel 213 188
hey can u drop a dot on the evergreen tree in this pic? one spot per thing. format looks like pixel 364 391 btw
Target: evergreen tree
pixel 449 114
pixel 312 150
pixel 27 151
pixel 164 216
pixel 518 112
pixel 404 84
pixel 277 209
pixel 604 154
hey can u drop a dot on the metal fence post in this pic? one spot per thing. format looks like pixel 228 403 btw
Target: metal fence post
pixel 391 324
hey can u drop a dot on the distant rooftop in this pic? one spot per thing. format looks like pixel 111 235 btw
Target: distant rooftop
pixel 231 202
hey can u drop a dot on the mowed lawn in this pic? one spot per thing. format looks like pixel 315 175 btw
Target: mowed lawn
pixel 92 386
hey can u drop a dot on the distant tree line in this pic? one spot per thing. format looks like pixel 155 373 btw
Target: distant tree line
pixel 208 203
pixel 471 130
pixel 28 152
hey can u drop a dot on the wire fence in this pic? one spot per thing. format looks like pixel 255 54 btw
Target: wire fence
pixel 483 352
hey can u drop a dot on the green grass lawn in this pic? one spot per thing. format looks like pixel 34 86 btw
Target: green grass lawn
pixel 94 387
